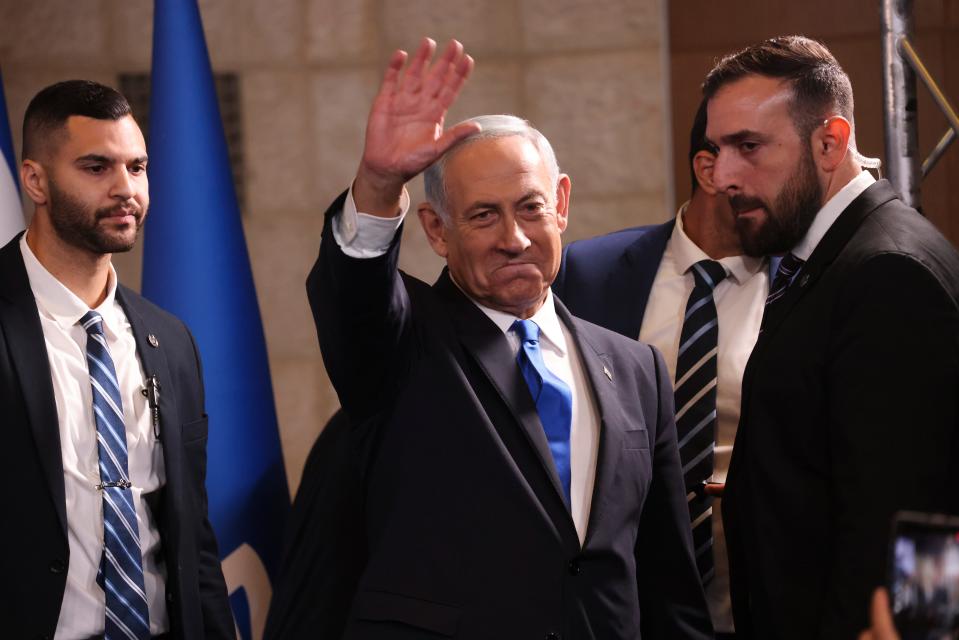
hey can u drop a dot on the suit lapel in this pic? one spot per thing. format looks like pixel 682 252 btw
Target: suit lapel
pixel 826 251
pixel 631 283
pixel 154 362
pixel 602 382
pixel 27 347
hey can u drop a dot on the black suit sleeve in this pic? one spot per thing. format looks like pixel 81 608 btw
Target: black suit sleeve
pixel 892 385
pixel 672 603
pixel 214 601
pixel 362 314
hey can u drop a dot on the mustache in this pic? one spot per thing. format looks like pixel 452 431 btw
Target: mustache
pixel 126 208
pixel 741 203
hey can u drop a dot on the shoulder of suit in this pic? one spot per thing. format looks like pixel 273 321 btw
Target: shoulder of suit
pixel 149 311
pixel 610 243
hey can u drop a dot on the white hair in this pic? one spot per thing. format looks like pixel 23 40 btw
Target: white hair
pixel 493 126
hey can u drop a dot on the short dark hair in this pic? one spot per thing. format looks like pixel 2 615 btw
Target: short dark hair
pixel 49 110
pixel 698 142
pixel 818 82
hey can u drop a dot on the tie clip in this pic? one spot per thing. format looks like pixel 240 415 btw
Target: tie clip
pixel 121 484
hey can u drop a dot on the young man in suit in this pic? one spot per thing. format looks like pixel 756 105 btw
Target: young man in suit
pixel 104 450
pixel 520 465
pixel 849 408
pixel 641 282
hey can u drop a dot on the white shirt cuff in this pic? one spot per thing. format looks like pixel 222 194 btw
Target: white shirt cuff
pixel 361 235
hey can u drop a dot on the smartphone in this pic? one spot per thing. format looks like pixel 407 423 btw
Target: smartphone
pixel 924 576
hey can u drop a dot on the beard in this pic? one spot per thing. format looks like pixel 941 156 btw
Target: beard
pixel 790 217
pixel 80 225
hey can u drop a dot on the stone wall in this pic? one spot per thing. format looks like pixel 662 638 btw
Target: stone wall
pixel 589 74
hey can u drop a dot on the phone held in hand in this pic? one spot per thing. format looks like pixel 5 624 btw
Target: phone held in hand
pixel 924 576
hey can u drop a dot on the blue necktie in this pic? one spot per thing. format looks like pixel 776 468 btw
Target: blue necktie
pixel 554 402
pixel 121 568
pixel 696 404
pixel 786 273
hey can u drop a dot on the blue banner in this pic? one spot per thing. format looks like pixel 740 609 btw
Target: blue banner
pixel 196 265
pixel 11 213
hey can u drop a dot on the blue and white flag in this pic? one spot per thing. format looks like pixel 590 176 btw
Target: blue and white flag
pixel 11 212
pixel 196 265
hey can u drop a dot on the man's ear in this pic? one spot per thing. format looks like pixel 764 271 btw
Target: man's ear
pixel 830 143
pixel 563 188
pixel 34 179
pixel 703 164
pixel 434 227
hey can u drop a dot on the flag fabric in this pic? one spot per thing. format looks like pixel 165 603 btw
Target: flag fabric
pixel 11 213
pixel 196 265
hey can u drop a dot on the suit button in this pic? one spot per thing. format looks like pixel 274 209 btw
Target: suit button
pixel 573 567
pixel 552 636
pixel 57 566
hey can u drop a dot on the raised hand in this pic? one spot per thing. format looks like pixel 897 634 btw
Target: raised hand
pixel 404 133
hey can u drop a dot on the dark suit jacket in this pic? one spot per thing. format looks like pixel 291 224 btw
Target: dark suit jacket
pixel 468 533
pixel 608 279
pixel 850 412
pixel 34 538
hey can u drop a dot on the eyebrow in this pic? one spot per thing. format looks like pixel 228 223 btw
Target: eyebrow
pixel 95 157
pixel 740 136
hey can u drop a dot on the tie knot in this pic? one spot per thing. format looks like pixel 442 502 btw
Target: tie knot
pixel 527 330
pixel 92 322
pixel 708 273
pixel 789 266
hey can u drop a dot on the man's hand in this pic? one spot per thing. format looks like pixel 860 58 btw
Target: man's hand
pixel 880 618
pixel 404 133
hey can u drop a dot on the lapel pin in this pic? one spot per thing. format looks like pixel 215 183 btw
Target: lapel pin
pixel 152 339
pixel 608 374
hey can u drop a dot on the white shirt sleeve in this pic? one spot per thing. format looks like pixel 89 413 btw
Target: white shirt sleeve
pixel 361 235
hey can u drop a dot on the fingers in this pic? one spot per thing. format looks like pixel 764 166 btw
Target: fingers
pixel 392 75
pixel 413 79
pixel 454 81
pixel 455 134
pixel 882 622
pixel 452 55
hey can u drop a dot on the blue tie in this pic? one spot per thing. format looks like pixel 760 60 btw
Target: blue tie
pixel 787 271
pixel 554 402
pixel 121 568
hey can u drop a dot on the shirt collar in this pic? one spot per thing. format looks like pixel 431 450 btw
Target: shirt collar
pixel 687 253
pixel 545 318
pixel 58 302
pixel 830 212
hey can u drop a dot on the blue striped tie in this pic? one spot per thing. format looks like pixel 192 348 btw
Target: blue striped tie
pixel 785 274
pixel 554 401
pixel 127 615
pixel 696 404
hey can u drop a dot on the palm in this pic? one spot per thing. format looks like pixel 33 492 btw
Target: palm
pixel 404 133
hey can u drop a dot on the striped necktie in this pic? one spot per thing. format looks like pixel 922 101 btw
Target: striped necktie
pixel 696 404
pixel 121 568
pixel 787 270
pixel 554 400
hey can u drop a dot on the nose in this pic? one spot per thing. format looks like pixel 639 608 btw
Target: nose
pixel 725 174
pixel 123 187
pixel 512 237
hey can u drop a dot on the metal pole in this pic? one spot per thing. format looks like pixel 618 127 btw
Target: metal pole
pixel 899 102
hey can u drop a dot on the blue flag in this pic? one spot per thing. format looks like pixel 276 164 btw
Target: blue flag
pixel 195 264
pixel 11 213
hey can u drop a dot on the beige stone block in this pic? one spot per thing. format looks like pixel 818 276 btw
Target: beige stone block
pixel 604 115
pixel 568 25
pixel 279 141
pixel 341 31
pixel 249 32
pixel 131 34
pixel 53 33
pixel 590 217
pixel 305 400
pixel 494 87
pixel 483 26
pixel 341 102
pixel 282 252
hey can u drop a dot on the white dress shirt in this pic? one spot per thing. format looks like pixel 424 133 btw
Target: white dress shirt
pixel 360 235
pixel 830 213
pixel 83 608
pixel 739 299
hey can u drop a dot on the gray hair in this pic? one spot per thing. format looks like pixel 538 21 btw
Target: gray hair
pixel 493 126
